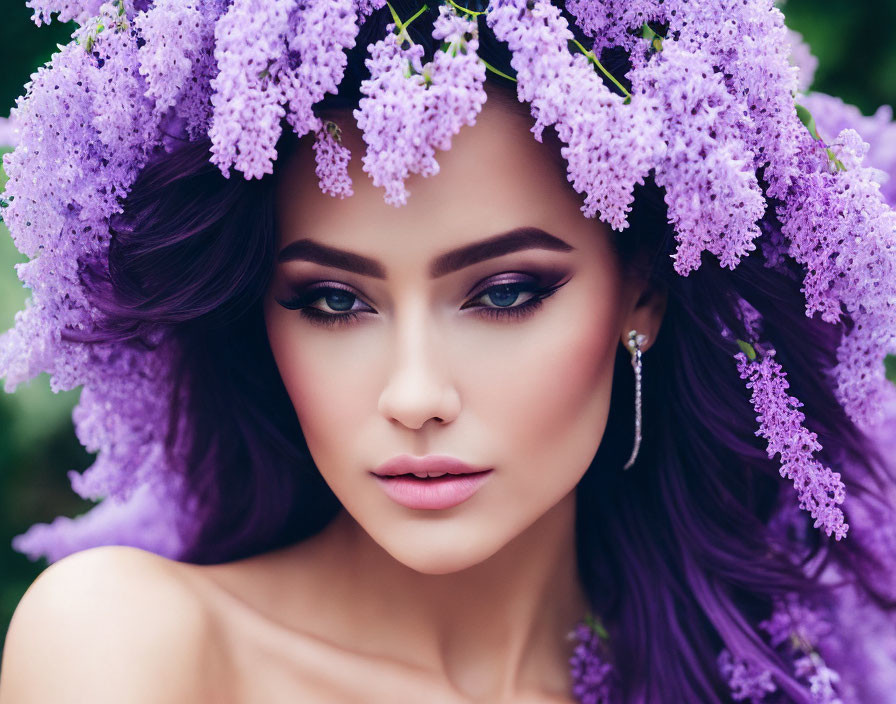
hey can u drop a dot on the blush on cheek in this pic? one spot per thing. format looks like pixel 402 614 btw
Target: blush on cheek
pixel 574 388
pixel 329 390
pixel 554 398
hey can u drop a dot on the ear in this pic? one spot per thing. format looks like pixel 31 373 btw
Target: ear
pixel 647 305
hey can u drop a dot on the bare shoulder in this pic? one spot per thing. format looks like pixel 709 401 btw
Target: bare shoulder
pixel 109 624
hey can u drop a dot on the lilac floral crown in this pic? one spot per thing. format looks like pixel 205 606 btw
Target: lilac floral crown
pixel 233 70
pixel 138 71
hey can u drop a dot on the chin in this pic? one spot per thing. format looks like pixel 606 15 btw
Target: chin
pixel 443 558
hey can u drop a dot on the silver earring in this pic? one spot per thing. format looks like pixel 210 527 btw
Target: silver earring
pixel 635 340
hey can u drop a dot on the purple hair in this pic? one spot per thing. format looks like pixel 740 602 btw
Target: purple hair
pixel 677 555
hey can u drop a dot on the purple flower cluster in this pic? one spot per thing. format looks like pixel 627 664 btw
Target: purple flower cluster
pixel 594 123
pixel 803 58
pixel 409 109
pixel 141 74
pixel 593 677
pixel 148 512
pixel 820 489
pixel 749 42
pixel 747 680
pixel 331 160
pixel 366 7
pixel 844 233
pixel 270 54
pixel 615 22
pixel 177 61
pixel 712 192
pixel 87 128
pixel 794 630
pixel 792 621
pixel 832 116
pixel 9 133
pixel 68 10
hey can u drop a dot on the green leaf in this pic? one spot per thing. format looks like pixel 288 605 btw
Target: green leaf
pixel 890 363
pixel 747 349
pixel 807 119
pixel 596 626
pixel 647 32
pixel 656 40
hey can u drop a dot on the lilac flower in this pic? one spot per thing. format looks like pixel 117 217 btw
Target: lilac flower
pixel 270 54
pixel 780 422
pixel 9 132
pixel 712 192
pixel 171 32
pixel 861 645
pixel 144 521
pixel 593 677
pixel 318 32
pixel 792 621
pixel 749 43
pixel 178 63
pixel 331 159
pixel 87 128
pixel 409 110
pixel 391 117
pixel 802 57
pixel 820 677
pixel 457 92
pixel 832 116
pixel 615 22
pixel 249 38
pixel 69 10
pixel 747 681
pixel 842 231
pixel 367 7
pixel 593 122
pixel 794 629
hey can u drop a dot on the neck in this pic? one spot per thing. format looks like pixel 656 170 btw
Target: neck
pixel 493 631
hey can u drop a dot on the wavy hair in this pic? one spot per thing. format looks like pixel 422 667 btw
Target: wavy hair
pixel 676 555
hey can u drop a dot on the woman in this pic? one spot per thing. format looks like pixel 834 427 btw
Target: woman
pixel 485 327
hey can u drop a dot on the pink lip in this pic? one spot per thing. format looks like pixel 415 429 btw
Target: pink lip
pixel 435 464
pixel 435 492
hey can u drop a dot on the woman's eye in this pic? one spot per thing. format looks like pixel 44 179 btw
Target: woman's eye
pixel 336 299
pixel 337 302
pixel 503 300
pixel 499 302
pixel 504 295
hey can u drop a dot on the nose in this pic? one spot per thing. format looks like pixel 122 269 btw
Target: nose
pixel 418 387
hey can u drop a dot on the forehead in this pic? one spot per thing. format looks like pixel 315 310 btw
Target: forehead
pixel 496 177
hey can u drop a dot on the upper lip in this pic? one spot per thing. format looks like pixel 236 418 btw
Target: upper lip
pixel 434 464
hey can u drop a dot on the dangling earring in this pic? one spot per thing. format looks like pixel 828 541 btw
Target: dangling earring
pixel 635 340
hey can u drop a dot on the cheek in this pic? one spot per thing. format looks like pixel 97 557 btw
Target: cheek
pixel 545 396
pixel 322 376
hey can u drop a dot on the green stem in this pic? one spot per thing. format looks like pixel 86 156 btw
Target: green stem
pixel 395 16
pixel 416 15
pixel 496 71
pixel 402 26
pixel 472 13
pixel 590 55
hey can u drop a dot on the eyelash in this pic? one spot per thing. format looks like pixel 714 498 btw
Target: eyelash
pixel 524 310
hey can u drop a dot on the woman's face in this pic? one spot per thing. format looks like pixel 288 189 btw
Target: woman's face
pixel 404 347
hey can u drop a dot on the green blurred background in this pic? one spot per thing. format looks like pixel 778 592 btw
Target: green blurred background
pixel 37 443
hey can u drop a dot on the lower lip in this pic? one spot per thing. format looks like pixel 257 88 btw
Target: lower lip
pixel 435 493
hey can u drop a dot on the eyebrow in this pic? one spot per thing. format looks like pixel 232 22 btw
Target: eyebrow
pixel 515 240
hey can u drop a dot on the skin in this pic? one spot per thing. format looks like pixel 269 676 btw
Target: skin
pixel 386 604
pixel 481 594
